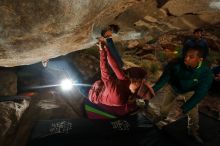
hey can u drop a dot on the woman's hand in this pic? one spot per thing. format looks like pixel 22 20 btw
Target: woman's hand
pixel 146 92
pixel 101 39
pixel 101 43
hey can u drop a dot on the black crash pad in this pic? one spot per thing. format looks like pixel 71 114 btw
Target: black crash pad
pixel 209 131
pixel 135 130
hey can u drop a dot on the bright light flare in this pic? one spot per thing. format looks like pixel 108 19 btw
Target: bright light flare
pixel 66 84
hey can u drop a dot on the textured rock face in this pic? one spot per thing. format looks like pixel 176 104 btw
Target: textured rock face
pixel 11 113
pixel 32 31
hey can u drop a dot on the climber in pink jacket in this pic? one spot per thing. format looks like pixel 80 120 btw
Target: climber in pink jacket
pixel 117 94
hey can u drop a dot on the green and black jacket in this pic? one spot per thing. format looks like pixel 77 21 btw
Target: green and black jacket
pixel 183 79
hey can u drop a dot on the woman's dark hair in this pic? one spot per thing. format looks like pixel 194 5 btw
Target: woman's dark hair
pixel 201 51
pixel 136 73
pixel 198 30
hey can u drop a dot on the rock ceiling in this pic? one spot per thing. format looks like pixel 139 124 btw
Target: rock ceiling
pixel 35 30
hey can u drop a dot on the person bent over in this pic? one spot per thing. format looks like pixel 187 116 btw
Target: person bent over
pixel 117 93
pixel 189 77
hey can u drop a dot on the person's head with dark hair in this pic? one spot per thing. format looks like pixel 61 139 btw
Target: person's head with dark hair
pixel 194 57
pixel 198 33
pixel 198 30
pixel 136 75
